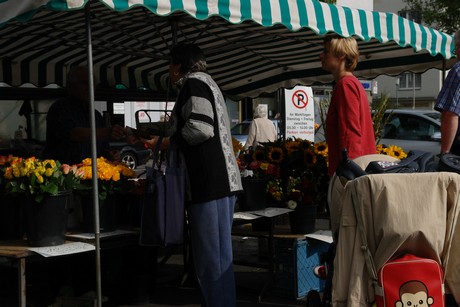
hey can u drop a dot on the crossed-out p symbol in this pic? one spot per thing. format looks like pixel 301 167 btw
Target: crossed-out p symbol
pixel 300 99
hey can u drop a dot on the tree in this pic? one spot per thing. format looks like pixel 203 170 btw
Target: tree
pixel 439 14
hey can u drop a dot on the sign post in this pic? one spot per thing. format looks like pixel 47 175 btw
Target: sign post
pixel 300 113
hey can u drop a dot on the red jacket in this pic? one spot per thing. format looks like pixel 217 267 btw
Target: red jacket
pixel 349 122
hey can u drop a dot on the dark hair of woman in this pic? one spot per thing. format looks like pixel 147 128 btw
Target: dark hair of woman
pixel 190 57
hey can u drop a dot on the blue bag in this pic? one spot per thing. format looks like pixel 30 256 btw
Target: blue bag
pixel 163 213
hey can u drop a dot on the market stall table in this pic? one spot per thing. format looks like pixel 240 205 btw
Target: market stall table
pixel 16 253
pixel 240 220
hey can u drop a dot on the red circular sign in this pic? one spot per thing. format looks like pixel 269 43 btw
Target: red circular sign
pixel 300 99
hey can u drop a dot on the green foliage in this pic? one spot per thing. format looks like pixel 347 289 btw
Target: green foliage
pixel 377 117
pixel 323 107
pixel 439 14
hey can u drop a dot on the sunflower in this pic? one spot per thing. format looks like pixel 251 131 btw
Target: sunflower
pixel 304 144
pixel 275 154
pixel 396 151
pixel 321 149
pixel 292 145
pixel 380 149
pixel 258 155
pixel 310 158
pixel 392 151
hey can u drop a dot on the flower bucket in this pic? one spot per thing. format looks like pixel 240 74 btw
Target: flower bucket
pixel 303 219
pixel 254 196
pixel 46 222
pixel 107 213
pixel 11 216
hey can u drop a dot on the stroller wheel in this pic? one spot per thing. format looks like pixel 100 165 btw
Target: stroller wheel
pixel 313 299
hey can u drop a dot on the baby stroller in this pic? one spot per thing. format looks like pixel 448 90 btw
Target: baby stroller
pixel 397 213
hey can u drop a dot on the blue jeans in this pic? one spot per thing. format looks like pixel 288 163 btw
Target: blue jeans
pixel 212 253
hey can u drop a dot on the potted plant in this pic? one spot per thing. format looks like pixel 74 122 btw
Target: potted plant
pixel 46 189
pixel 113 177
pixel 11 211
pixel 40 178
pixel 257 166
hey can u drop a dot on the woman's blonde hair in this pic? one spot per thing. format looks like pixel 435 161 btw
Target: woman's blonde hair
pixel 343 46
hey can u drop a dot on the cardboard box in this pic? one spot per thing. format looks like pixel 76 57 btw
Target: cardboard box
pixel 295 260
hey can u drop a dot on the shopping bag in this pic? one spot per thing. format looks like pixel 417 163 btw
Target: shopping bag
pixel 163 213
pixel 411 281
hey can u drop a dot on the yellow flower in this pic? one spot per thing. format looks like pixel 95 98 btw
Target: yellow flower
pixel 380 148
pixel 321 149
pixel 396 151
pixel 111 175
pixel 49 172
pixel 37 178
pixel 264 166
pixel 392 151
pixel 23 171
pixel 40 179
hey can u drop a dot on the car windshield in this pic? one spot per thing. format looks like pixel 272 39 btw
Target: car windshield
pixel 240 129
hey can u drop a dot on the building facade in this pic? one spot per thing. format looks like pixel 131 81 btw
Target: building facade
pixel 408 90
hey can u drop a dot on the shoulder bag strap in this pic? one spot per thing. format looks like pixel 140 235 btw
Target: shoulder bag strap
pixel 364 247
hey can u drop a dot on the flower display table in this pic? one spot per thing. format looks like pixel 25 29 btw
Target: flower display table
pixel 239 229
pixel 17 253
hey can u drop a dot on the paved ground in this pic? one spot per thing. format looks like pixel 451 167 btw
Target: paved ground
pixel 130 279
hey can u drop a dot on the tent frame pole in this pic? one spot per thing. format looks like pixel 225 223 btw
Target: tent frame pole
pixel 93 152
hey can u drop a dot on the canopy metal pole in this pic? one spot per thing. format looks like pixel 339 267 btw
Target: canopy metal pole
pixel 93 152
pixel 443 70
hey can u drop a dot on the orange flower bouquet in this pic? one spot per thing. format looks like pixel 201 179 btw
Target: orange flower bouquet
pixel 111 176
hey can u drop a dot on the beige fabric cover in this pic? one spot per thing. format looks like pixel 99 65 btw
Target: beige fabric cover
pixel 415 213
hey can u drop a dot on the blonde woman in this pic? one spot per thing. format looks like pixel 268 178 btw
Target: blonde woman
pixel 349 120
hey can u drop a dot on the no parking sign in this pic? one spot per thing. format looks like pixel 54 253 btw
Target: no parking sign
pixel 300 113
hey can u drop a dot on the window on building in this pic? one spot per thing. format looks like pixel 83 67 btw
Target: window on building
pixel 410 80
pixel 413 15
pixel 407 79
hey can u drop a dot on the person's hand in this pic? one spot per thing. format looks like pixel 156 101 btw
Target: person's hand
pixel 132 139
pixel 117 132
pixel 152 142
pixel 115 155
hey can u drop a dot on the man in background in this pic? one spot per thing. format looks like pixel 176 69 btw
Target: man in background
pixel 448 103
pixel 68 129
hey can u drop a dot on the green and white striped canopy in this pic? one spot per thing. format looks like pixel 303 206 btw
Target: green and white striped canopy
pixel 252 46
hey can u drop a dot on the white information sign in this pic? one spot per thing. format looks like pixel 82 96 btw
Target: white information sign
pixel 300 113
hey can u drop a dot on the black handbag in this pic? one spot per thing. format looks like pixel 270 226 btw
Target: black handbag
pixel 163 212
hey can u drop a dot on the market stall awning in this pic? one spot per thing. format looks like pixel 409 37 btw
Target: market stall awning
pixel 252 46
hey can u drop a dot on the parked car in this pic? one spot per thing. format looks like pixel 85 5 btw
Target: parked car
pixel 413 130
pixel 132 155
pixel 240 131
